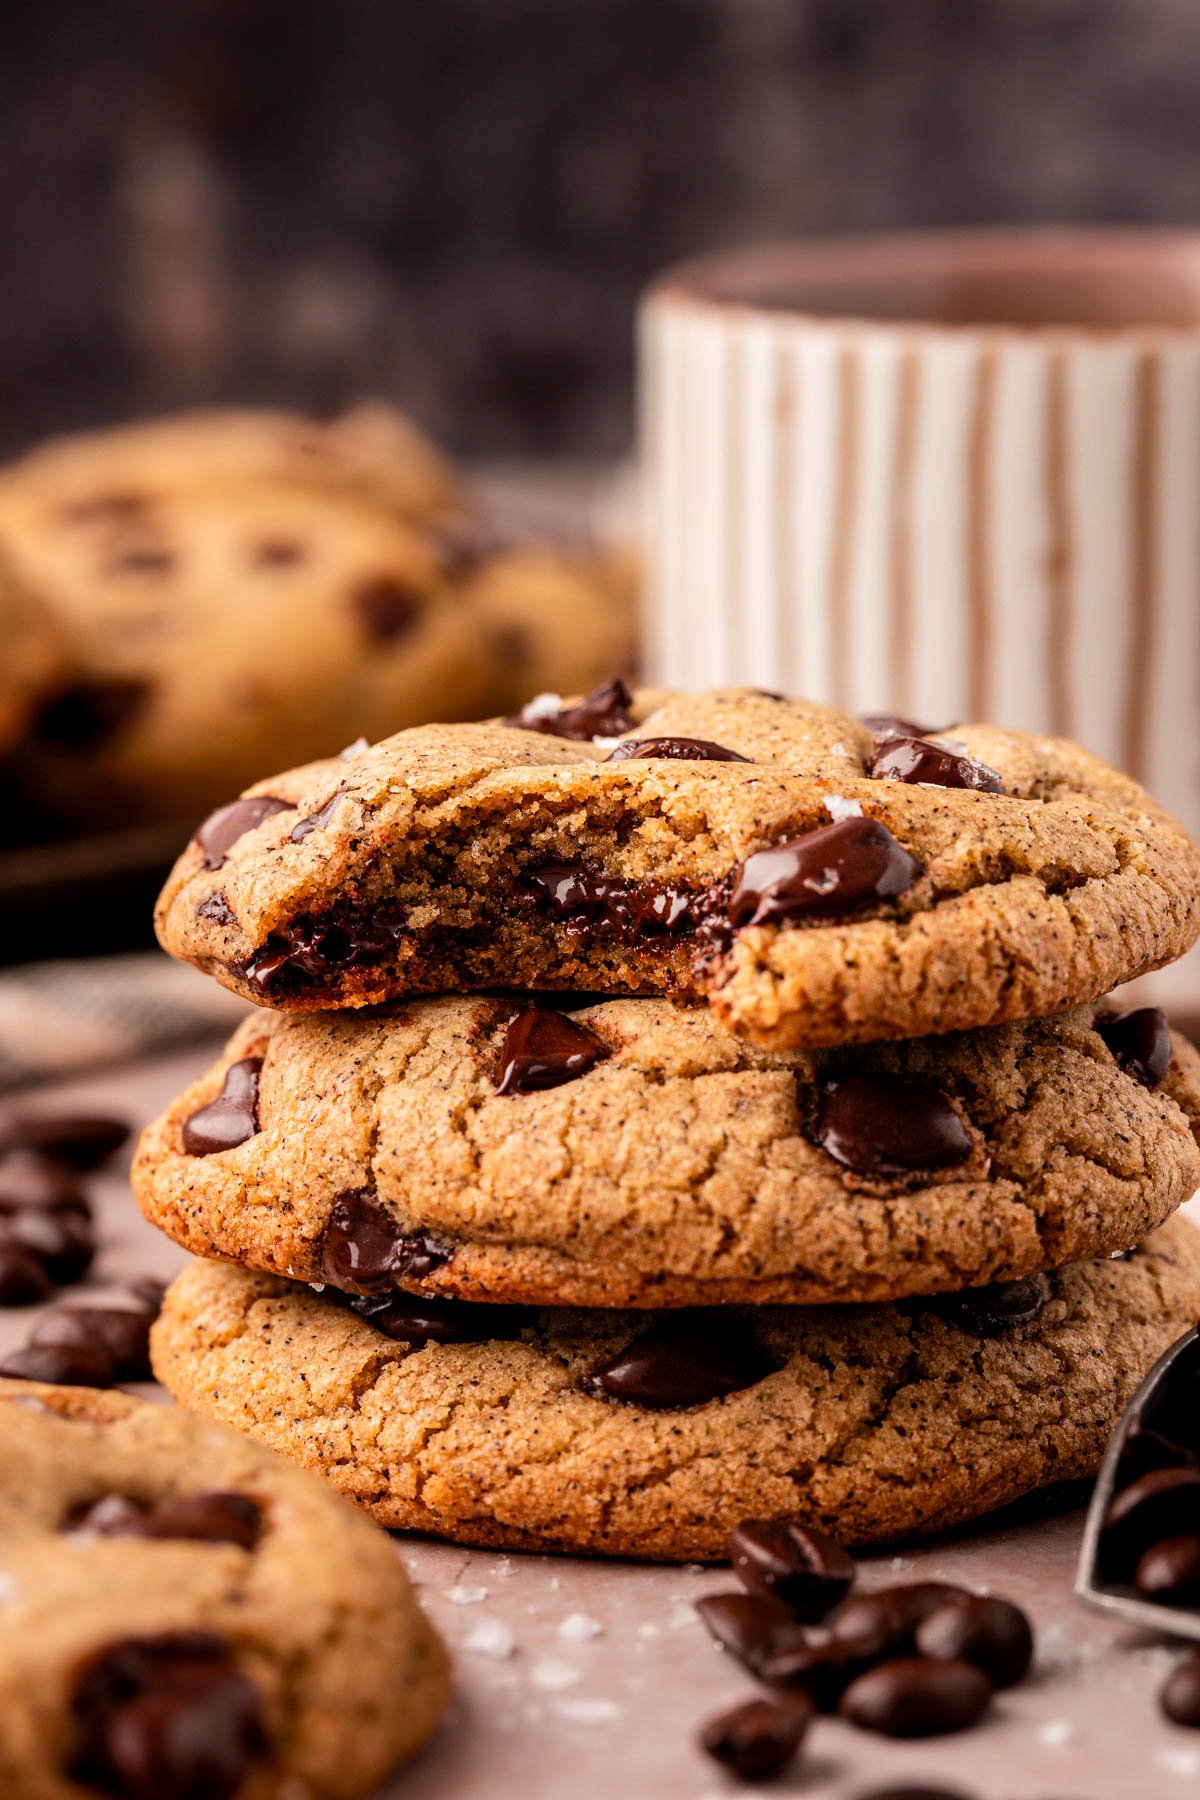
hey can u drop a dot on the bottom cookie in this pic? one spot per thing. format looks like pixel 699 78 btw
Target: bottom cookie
pixel 627 1434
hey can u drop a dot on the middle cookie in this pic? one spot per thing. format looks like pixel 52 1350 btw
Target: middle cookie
pixel 631 1153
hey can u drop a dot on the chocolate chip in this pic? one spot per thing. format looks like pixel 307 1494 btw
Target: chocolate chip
pixel 318 820
pixel 312 947
pixel 1169 1572
pixel 913 759
pixel 166 1715
pixel 675 749
pixel 61 1241
pixel 85 715
pixel 808 1571
pixel 602 713
pixel 122 1334
pixel 683 1359
pixel 627 910
pixel 991 1311
pixel 1180 1697
pixel 884 1624
pixel 232 1118
pixel 885 1125
pixel 1140 1041
pixel 83 1141
pixel 141 559
pixel 422 1319
pixel 362 1250
pixel 1162 1504
pixel 752 1627
pixel 838 868
pixel 78 1365
pixel 277 553
pixel 543 1049
pixel 387 607
pixel 32 1181
pixel 24 1279
pixel 757 1740
pixel 887 725
pixel 207 1518
pixel 222 829
pixel 217 909
pixel 992 1634
pixel 917 1696
pixel 91 507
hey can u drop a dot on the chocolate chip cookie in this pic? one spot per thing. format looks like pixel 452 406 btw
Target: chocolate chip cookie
pixel 652 1436
pixel 631 1153
pixel 186 1614
pixel 821 880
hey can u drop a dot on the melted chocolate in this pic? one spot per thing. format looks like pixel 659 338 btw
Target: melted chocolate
pixel 318 820
pixel 387 608
pixel 206 1518
pixel 913 759
pixel 836 869
pixel 542 1049
pixel 602 713
pixel 362 1251
pixel 311 948
pixel 991 1311
pixel 418 1319
pixel 232 1117
pixel 683 1359
pixel 887 725
pixel 1140 1041
pixel 222 829
pixel 217 909
pixel 884 1125
pixel 622 909
pixel 81 717
pixel 677 749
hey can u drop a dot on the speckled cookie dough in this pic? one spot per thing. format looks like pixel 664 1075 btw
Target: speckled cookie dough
pixel 821 881
pixel 184 1608
pixel 631 1153
pixel 620 1435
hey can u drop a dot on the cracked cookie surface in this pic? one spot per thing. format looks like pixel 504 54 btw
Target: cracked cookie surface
pixel 145 1552
pixel 873 1423
pixel 673 1164
pixel 491 855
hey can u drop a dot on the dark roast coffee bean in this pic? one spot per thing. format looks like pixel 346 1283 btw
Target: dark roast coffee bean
pixel 1169 1572
pixel 917 1696
pixel 805 1569
pixel 387 608
pixel 419 1319
pixel 148 1291
pixel 121 1333
pixel 603 713
pixel 362 1250
pixel 24 1279
pixel 169 1715
pixel 222 829
pixel 61 1241
pixel 81 1140
pixel 914 759
pixel 914 1793
pixel 757 1740
pixel 32 1181
pixel 991 1311
pixel 992 1634
pixel 1180 1696
pixel 318 820
pixel 215 1518
pixel 836 869
pixel 232 1118
pixel 1163 1504
pixel 77 1365
pixel 1140 1041
pixel 676 749
pixel 819 1667
pixel 542 1049
pixel 683 1359
pixel 884 1624
pixel 91 712
pixel 883 1125
pixel 752 1627
pixel 887 725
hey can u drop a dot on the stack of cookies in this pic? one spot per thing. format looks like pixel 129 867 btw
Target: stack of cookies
pixel 669 1109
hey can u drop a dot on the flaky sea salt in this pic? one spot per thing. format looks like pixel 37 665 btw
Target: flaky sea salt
pixel 578 1627
pixel 489 1637
pixel 542 706
pixel 466 1596
pixel 583 1711
pixel 839 808
pixel 552 1672
pixel 1057 1732
pixel 1178 1761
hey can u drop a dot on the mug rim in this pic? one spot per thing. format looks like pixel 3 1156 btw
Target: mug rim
pixel 722 283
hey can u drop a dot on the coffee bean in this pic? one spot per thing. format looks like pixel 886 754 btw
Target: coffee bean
pixel 683 1359
pixel 543 1049
pixel 915 759
pixel 78 1365
pixel 757 1740
pixel 819 1666
pixel 991 1311
pixel 1163 1504
pixel 802 1567
pixel 677 749
pixel 169 1715
pixel 1169 1572
pixel 992 1634
pixel 883 1125
pixel 362 1250
pixel 120 1333
pixel 28 1179
pixel 216 1518
pixel 602 713
pixel 752 1627
pixel 222 829
pixel 1140 1041
pixel 61 1241
pixel 81 1140
pixel 232 1118
pixel 1180 1696
pixel 884 1624
pixel 914 1793
pixel 836 869
pixel 917 1696
pixel 24 1279
pixel 148 1291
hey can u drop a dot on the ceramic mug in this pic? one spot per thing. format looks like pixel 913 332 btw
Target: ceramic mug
pixel 951 476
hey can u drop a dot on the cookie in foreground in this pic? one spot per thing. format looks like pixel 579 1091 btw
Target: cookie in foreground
pixel 621 1435
pixel 632 1153
pixel 186 1613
